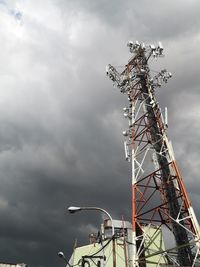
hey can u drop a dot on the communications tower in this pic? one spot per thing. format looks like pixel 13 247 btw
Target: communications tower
pixel 160 203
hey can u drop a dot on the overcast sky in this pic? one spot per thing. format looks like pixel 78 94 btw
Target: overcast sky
pixel 61 119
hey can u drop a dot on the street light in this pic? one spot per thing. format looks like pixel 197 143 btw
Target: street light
pixel 73 209
pixel 62 256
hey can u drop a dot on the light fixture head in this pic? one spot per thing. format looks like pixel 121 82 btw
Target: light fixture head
pixel 73 209
pixel 61 254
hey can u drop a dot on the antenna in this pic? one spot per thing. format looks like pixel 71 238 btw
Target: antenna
pixel 126 150
pixel 160 203
pixel 166 117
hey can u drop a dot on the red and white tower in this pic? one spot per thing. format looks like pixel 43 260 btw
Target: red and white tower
pixel 160 203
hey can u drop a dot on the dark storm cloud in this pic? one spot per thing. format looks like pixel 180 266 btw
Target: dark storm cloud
pixel 146 18
pixel 61 119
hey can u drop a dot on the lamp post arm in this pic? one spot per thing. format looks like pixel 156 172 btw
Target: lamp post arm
pixel 103 211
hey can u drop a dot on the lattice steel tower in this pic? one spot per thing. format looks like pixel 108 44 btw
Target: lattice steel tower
pixel 160 203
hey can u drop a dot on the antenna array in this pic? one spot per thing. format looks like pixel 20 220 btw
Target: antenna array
pixel 159 197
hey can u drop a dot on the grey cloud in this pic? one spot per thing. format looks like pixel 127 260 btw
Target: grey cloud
pixel 61 119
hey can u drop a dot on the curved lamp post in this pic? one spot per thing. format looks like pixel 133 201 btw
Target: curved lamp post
pixel 73 209
pixel 62 256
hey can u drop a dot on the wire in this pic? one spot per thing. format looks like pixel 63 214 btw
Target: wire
pixel 78 264
pixel 101 248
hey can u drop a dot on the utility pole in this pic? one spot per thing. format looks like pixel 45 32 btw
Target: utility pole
pixel 159 197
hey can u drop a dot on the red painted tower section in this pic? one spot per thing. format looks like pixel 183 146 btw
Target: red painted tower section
pixel 159 197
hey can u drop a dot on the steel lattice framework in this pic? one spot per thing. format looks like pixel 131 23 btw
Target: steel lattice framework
pixel 159 197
